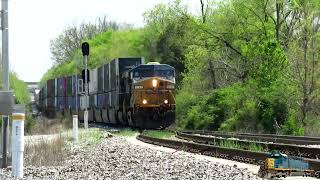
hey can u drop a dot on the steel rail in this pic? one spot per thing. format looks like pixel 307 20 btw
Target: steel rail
pixel 260 137
pixel 307 138
pixel 209 150
pixel 294 150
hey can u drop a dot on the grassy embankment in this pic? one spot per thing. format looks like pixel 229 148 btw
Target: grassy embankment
pixel 54 147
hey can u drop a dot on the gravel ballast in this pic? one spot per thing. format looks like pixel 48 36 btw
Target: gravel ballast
pixel 116 158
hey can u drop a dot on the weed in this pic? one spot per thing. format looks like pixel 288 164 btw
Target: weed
pixel 255 147
pixel 87 137
pixel 45 152
pixel 127 132
pixel 159 134
pixel 230 144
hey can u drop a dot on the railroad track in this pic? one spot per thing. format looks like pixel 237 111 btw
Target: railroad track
pixel 246 156
pixel 294 150
pixel 284 139
pixel 209 150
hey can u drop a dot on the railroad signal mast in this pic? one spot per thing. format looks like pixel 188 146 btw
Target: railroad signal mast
pixel 85 53
pixel 5 69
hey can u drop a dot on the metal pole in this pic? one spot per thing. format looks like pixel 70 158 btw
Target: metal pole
pixel 77 86
pixel 5 69
pixel 77 94
pixel 75 117
pixel 87 92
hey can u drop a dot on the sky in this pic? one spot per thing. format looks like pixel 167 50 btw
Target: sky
pixel 33 23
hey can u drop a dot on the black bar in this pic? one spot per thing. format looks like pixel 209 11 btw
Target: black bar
pixel 4 141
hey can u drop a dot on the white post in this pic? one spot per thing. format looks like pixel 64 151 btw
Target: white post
pixel 86 116
pixel 17 144
pixel 75 128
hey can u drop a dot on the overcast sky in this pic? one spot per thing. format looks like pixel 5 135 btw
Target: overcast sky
pixel 33 23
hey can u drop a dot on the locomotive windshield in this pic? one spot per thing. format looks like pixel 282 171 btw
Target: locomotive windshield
pixel 164 71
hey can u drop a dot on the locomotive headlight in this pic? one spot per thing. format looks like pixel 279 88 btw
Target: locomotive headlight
pixel 154 83
pixel 166 101
pixel 138 87
pixel 144 101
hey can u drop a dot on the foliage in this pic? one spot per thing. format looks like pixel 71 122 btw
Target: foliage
pixel 240 69
pixel 68 42
pixel 20 89
pixel 103 48
pixel 242 65
pixel 29 124
pixel 166 35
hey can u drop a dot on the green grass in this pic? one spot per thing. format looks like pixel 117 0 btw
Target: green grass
pixel 235 145
pixel 255 147
pixel 127 132
pixel 230 144
pixel 87 137
pixel 159 134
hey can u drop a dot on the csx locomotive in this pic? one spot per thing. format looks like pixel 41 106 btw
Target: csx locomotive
pixel 281 165
pixel 125 91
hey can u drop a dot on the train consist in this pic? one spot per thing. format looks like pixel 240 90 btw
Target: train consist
pixel 125 91
pixel 281 165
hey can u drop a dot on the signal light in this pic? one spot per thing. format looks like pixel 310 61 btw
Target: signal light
pixel 166 101
pixel 85 49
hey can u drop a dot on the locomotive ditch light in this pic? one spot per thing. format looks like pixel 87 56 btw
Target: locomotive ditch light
pixel 144 101
pixel 166 101
pixel 170 86
pixel 154 83
pixel 138 87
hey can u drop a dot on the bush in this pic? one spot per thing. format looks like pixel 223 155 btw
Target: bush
pixel 292 126
pixel 184 100
pixel 240 107
pixel 29 123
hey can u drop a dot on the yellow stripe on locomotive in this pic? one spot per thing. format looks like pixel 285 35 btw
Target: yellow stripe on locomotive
pixel 270 163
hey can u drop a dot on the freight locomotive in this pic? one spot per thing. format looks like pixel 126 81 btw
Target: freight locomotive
pixel 125 91
pixel 281 165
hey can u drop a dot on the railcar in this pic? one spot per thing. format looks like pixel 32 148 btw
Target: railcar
pixel 124 91
pixel 281 165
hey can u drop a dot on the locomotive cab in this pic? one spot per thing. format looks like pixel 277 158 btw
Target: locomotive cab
pixel 152 99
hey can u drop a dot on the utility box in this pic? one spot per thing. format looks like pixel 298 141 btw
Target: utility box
pixel 6 102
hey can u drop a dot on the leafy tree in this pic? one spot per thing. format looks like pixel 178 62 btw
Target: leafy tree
pixel 69 41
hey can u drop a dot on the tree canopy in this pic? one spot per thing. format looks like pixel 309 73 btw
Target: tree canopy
pixel 242 65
